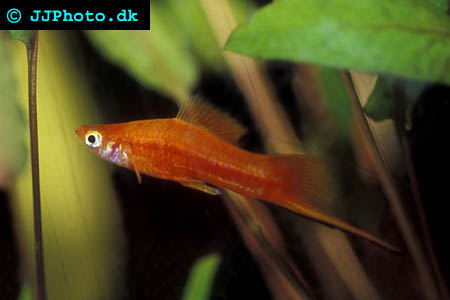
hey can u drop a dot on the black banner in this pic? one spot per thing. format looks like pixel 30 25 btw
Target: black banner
pixel 73 17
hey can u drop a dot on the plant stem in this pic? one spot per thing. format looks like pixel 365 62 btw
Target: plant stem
pixel 32 51
pixel 253 232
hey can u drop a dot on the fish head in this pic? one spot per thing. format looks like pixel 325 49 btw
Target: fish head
pixel 101 140
pixel 92 136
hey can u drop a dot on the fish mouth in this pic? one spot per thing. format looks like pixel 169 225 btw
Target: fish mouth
pixel 81 131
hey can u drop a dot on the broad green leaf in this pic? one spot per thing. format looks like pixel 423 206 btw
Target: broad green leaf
pixel 22 35
pixel 336 97
pixel 201 278
pixel 441 4
pixel 393 99
pixel 25 293
pixel 409 38
pixel 241 9
pixel 382 102
pixel 195 29
pixel 12 119
pixel 412 92
pixel 158 58
pixel 81 222
pixel 197 33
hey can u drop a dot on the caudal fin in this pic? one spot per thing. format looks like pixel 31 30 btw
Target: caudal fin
pixel 304 182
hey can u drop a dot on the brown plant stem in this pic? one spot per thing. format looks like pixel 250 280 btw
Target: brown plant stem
pixel 32 53
pixel 254 219
pixel 269 258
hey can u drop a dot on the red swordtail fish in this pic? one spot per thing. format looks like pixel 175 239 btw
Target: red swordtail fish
pixel 197 149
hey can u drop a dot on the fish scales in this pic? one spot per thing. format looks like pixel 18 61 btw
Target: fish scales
pixel 174 149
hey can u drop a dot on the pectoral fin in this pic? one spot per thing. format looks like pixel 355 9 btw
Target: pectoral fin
pixel 138 174
pixel 198 185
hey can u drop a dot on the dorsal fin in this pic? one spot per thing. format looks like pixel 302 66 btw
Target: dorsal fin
pixel 198 112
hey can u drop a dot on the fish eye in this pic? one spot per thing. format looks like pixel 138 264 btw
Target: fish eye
pixel 93 139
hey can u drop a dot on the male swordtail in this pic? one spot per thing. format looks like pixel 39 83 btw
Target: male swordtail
pixel 198 149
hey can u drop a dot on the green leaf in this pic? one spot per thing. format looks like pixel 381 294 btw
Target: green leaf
pixel 382 102
pixel 200 280
pixel 158 58
pixel 336 97
pixel 393 99
pixel 412 92
pixel 197 32
pixel 241 9
pixel 12 120
pixel 441 4
pixel 409 38
pixel 22 35
pixel 25 293
pixel 195 28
